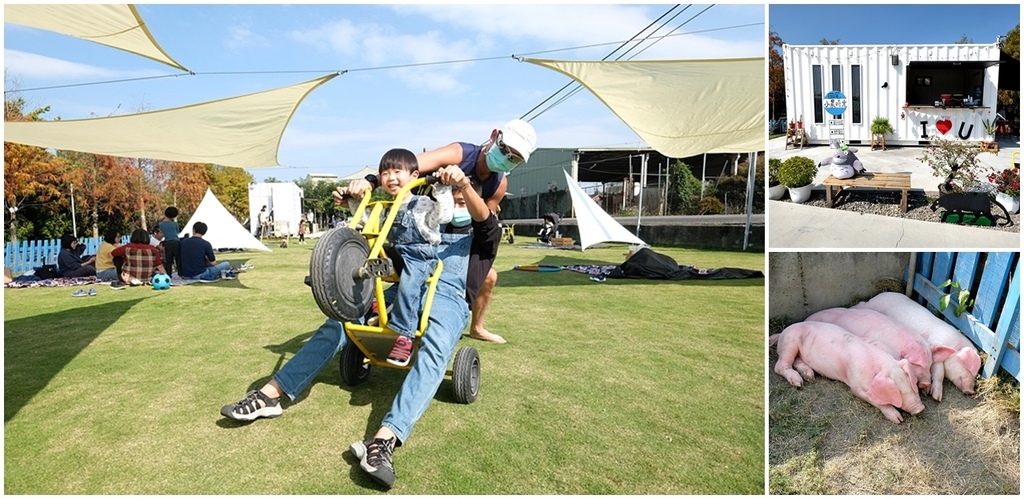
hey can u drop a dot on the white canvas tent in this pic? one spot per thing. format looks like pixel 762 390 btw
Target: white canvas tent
pixel 682 108
pixel 595 225
pixel 242 131
pixel 223 230
pixel 117 26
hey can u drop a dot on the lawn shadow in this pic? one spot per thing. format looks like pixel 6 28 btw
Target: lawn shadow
pixel 518 278
pixel 37 348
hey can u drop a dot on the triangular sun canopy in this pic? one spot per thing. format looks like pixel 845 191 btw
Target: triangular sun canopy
pixel 680 108
pixel 117 26
pixel 595 225
pixel 242 131
pixel 223 230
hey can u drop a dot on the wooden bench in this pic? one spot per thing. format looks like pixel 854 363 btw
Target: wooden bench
pixel 899 181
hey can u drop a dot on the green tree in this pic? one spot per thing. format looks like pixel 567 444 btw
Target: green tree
pixel 776 76
pixel 1011 45
pixel 684 189
pixel 231 186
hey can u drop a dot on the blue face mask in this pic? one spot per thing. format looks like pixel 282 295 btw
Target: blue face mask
pixel 497 161
pixel 461 218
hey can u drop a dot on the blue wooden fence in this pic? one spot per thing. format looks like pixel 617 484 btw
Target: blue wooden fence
pixel 993 322
pixel 27 255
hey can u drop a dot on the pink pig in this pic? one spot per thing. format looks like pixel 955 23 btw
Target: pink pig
pixel 900 342
pixel 835 353
pixel 961 368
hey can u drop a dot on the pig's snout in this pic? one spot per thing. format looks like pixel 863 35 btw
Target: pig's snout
pixel 916 409
pixel 965 385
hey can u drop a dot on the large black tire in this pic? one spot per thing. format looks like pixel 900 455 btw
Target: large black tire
pixel 332 274
pixel 466 375
pixel 353 370
pixel 511 238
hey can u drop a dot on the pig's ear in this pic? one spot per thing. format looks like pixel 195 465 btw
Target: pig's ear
pixel 971 359
pixel 941 353
pixel 915 354
pixel 883 391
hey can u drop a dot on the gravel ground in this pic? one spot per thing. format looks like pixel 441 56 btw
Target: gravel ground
pixel 887 203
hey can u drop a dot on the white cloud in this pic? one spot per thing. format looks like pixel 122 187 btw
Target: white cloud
pixel 242 37
pixel 28 65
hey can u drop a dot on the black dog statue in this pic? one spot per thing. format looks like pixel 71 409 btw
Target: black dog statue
pixel 978 204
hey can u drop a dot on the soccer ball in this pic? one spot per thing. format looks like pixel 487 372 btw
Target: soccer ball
pixel 161 282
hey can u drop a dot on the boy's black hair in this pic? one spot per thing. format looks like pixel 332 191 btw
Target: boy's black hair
pixel 399 159
pixel 171 212
pixel 110 236
pixel 199 228
pixel 140 236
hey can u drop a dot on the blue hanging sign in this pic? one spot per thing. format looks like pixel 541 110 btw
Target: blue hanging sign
pixel 835 103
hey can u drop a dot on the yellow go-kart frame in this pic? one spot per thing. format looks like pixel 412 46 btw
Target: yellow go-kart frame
pixel 348 269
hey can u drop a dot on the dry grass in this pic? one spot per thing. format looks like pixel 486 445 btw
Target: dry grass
pixel 824 440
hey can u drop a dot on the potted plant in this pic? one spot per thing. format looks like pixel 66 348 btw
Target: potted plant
pixel 797 174
pixel 775 188
pixel 1007 183
pixel 990 130
pixel 879 127
pixel 955 161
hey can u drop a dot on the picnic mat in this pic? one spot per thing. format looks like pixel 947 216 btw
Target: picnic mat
pixel 31 281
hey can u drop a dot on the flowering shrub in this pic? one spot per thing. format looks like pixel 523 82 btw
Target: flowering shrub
pixel 1006 181
pixel 956 161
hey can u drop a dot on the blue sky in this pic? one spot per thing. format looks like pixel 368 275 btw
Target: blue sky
pixel 876 24
pixel 349 122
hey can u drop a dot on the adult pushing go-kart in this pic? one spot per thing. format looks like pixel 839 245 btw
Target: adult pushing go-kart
pixel 347 273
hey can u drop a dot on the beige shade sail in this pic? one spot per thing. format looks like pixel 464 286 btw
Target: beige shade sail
pixel 240 131
pixel 118 26
pixel 680 108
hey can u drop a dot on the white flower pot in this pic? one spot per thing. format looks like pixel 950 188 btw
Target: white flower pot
pixel 776 192
pixel 800 194
pixel 1011 203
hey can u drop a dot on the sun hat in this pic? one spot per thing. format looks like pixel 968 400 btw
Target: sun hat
pixel 521 136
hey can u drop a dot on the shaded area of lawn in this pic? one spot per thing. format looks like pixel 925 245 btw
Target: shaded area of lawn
pixel 38 347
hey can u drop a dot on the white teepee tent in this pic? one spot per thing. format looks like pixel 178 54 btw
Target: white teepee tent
pixel 595 225
pixel 223 231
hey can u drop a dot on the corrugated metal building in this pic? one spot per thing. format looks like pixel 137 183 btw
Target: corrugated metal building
pixel 925 91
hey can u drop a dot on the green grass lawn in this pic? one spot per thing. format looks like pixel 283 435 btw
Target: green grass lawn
pixel 621 387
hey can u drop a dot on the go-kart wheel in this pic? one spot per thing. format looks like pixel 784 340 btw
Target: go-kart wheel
pixel 339 293
pixel 354 369
pixel 466 375
pixel 511 238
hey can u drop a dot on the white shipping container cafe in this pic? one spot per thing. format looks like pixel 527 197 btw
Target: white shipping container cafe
pixel 925 91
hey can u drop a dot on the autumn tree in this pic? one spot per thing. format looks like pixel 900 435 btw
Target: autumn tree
pixel 1011 46
pixel 32 176
pixel 104 185
pixel 826 41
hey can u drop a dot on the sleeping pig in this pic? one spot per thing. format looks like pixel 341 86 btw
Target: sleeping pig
pixel 835 353
pixel 961 368
pixel 900 342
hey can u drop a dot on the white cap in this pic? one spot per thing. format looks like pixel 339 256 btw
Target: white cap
pixel 521 136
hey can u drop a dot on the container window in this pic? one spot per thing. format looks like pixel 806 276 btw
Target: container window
pixel 855 93
pixel 837 78
pixel 818 96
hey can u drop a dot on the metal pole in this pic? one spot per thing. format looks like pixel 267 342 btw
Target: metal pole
pixel 751 170
pixel 643 182
pixel 74 223
pixel 703 173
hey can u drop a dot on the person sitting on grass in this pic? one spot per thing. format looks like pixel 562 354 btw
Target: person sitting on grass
pixel 138 261
pixel 69 260
pixel 105 268
pixel 449 317
pixel 197 258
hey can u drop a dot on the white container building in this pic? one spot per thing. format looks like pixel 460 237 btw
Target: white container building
pixel 283 199
pixel 925 91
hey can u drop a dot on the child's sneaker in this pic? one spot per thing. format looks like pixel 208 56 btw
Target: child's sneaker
pixel 400 354
pixel 255 405
pixel 117 286
pixel 80 293
pixel 92 291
